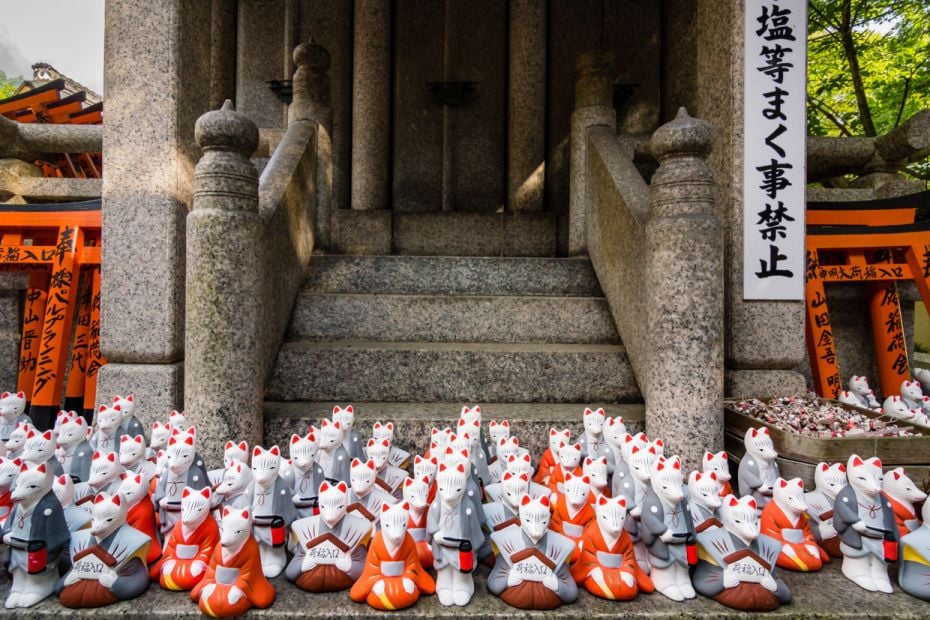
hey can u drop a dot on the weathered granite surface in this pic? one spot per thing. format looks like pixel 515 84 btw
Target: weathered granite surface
pixel 822 595
pixel 462 233
pixel 530 422
pixel 471 318
pixel 444 372
pixel 436 275
pixel 261 55
pixel 11 320
pixel 361 231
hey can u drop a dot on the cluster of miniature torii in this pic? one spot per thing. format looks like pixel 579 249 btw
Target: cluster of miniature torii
pixel 95 514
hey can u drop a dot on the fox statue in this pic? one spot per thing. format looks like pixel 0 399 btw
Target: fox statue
pixel 416 496
pixel 719 464
pixel 331 455
pixel 454 528
pixel 129 423
pixel 108 560
pixel 504 448
pixel 190 545
pixel 865 522
pixel 304 475
pixel 572 511
pixel 392 577
pixel 140 514
pixel 73 449
pixel 569 462
pixel 496 432
pixel 273 509
pixel 550 457
pixel 667 530
pixel 346 418
pixel 12 413
pixel 785 520
pixel 365 496
pixel 16 443
pixel 593 443
pixel 758 469
pixel 105 472
pixel 829 481
pixel 40 448
pixel 232 453
pixel 132 456
pixel 388 477
pixel 900 490
pixel 640 462
pixel 914 564
pixel 109 431
pixel 37 534
pixel 614 434
pixel 704 499
pixel 329 552
pixel 607 566
pixel 531 571
pixel 182 469
pixel 597 470
pixel 235 490
pixel 736 565
pixel 504 509
pixel 76 518
pixel 233 582
pixel 9 470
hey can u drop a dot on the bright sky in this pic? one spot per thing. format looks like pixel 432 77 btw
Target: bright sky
pixel 67 34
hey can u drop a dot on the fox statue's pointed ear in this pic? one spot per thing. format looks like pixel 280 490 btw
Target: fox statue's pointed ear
pixel 544 500
pixel 601 500
pixel 526 499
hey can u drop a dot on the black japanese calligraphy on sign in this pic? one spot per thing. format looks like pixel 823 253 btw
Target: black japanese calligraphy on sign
pixel 53 344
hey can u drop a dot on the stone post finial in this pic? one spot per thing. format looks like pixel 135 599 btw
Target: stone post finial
pixel 225 178
pixel 311 83
pixel 682 136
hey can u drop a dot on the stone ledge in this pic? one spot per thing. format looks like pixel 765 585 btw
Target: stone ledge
pixel 824 595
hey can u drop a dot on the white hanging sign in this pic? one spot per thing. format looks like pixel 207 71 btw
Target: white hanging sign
pixel 774 139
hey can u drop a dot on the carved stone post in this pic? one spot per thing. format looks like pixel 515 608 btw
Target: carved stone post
pixel 311 103
pixel 223 379
pixel 593 106
pixel 684 293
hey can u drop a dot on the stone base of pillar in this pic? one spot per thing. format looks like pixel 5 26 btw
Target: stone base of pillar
pixel 763 383
pixel 361 231
pixel 156 388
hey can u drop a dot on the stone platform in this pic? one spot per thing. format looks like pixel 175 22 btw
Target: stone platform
pixel 824 595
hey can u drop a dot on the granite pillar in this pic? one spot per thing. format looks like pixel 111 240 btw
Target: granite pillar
pixel 526 126
pixel 593 96
pixel 261 45
pixel 157 77
pixel 764 339
pixel 224 378
pixel 371 105
pixel 223 52
pixel 684 294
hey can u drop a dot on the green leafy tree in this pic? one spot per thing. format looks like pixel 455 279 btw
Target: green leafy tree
pixel 868 67
pixel 8 85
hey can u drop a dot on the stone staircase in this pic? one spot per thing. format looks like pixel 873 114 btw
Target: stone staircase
pixel 414 337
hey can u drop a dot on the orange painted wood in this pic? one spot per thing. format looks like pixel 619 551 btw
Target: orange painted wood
pixel 865 217
pixel 56 330
pixel 33 319
pixel 94 358
pixel 888 335
pixel 821 348
pixel 77 373
pixel 43 219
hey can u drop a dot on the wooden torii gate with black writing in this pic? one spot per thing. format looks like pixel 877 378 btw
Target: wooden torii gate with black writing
pixel 878 243
pixel 59 246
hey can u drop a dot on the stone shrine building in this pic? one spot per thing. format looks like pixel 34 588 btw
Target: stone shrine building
pixel 533 205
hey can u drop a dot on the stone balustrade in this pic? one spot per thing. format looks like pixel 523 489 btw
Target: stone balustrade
pixel 249 242
pixel 658 253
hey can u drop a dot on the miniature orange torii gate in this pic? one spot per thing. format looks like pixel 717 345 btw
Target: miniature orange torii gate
pixel 882 247
pixel 59 246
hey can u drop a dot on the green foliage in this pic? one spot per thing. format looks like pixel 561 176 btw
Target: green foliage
pixel 8 85
pixel 868 66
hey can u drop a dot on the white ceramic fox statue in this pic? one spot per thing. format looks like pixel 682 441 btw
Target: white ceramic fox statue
pixel 331 455
pixel 235 490
pixel 304 475
pixel 668 530
pixel 36 533
pixel 456 535
pixel 829 480
pixel 496 432
pixel 416 496
pixel 531 571
pixel 76 518
pixel 903 494
pixel 914 563
pixel 9 470
pixel 704 499
pixel 758 470
pixel 329 550
pixel 365 496
pixel 273 510
pixel 105 471
pixel 130 424
pixel 719 464
pixel 593 443
pixel 40 448
pixel 109 431
pixel 17 441
pixel 640 462
pixel 132 456
pixel 736 565
pixel 73 449
pixel 182 469
pixel 865 522
pixel 504 448
pixel 397 457
pixel 12 412
pixel 504 508
pixel 232 453
pixel 346 418
pixel 389 478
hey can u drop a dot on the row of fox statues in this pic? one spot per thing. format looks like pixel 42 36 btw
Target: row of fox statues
pixel 96 514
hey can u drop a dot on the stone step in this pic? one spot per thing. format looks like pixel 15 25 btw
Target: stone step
pixel 452 275
pixel 451 372
pixel 530 422
pixel 452 318
pixel 826 594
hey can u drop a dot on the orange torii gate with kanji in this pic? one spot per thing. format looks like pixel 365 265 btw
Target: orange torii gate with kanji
pixel 59 246
pixel 876 242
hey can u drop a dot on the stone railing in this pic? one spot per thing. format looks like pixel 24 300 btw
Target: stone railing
pixel 658 252
pixel 249 242
pixel 23 143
